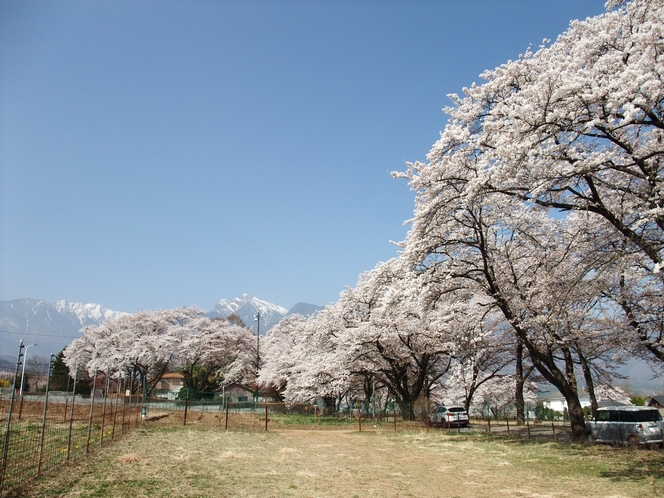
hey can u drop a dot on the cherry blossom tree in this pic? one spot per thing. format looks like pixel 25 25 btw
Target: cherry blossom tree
pixel 142 345
pixel 574 127
pixel 211 352
pixel 577 127
pixel 482 355
pixel 279 359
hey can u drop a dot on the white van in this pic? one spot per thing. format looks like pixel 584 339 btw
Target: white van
pixel 631 425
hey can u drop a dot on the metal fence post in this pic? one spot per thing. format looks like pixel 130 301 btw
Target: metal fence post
pixel 115 411
pixel 129 411
pixel 131 390
pixel 124 407
pixel 92 406
pixel 553 429
pixel 20 407
pixel 43 428
pixel 186 407
pixel 508 426
pixel 5 444
pixel 226 427
pixel 103 413
pixel 266 419
pixel 71 413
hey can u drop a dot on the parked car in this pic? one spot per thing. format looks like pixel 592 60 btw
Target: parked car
pixel 631 425
pixel 453 416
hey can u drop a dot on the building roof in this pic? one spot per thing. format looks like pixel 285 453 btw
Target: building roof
pixel 172 375
pixel 657 401
pixel 555 395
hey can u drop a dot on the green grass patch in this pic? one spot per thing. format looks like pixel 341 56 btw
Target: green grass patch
pixel 312 420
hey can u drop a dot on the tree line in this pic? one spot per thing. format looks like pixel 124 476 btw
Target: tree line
pixel 534 252
pixel 536 242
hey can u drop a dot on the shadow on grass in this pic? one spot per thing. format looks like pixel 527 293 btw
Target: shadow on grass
pixel 637 465
pixel 621 463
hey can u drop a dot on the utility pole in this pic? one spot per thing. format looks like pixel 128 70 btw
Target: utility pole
pixel 257 319
pixel 25 357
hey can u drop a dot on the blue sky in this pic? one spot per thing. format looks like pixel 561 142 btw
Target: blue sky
pixel 163 153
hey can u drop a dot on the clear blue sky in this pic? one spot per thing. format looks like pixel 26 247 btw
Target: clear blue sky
pixel 164 153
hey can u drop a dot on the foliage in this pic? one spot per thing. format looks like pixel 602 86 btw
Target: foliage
pixel 143 346
pixel 60 379
pixel 543 413
pixel 537 235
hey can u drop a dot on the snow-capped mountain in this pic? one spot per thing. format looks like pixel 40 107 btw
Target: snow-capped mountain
pixel 87 314
pixel 246 307
pixel 51 326
pixel 54 325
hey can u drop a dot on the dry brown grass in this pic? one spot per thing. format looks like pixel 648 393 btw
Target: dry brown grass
pixel 192 462
pixel 129 458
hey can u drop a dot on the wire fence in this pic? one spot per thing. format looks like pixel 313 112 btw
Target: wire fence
pixel 43 430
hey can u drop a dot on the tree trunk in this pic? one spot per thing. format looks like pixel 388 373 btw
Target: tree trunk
pixel 590 384
pixel 576 418
pixel 520 380
pixel 329 405
pixel 407 408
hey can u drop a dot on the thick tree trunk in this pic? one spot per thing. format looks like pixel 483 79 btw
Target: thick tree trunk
pixel 407 407
pixel 520 380
pixel 576 418
pixel 590 384
pixel 329 406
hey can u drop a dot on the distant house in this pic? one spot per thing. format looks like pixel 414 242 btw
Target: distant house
pixel 169 386
pixel 235 393
pixel 657 402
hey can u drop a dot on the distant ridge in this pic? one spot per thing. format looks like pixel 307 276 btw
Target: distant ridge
pixel 304 309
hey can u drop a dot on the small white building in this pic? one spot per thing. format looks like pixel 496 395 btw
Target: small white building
pixel 169 386
pixel 555 401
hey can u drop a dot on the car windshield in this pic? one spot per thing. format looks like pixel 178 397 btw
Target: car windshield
pixel 457 409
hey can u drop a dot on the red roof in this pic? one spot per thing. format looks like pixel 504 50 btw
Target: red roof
pixel 172 375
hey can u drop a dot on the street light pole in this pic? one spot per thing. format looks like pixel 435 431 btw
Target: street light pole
pixel 25 360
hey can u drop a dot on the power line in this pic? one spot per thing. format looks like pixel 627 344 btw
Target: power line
pixel 39 335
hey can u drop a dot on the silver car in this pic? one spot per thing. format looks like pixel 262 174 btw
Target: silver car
pixel 452 416
pixel 631 425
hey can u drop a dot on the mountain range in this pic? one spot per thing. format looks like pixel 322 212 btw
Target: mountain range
pixel 51 326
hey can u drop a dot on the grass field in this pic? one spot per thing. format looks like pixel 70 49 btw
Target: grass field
pixel 193 462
